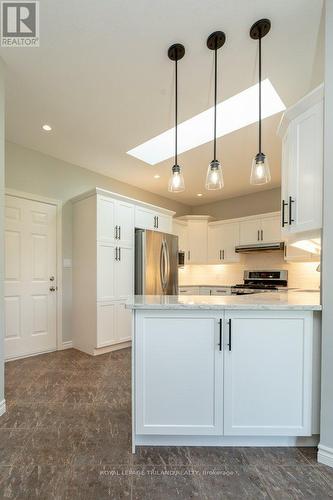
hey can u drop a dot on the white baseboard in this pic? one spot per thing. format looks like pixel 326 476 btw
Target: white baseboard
pixel 325 455
pixel 2 407
pixel 67 345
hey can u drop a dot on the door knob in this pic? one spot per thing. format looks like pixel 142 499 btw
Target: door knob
pixel 52 288
pixel 51 278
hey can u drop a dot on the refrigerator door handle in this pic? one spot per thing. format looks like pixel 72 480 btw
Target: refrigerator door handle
pixel 167 264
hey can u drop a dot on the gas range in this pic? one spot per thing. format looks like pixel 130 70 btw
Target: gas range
pixel 261 281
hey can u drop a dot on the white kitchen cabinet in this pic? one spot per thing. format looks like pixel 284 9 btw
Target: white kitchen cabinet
pixel 197 239
pixel 180 230
pixel 220 290
pixel 223 237
pixel 146 218
pixel 268 373
pixel 103 267
pixel 261 229
pixel 173 396
pixel 301 130
pixel 114 324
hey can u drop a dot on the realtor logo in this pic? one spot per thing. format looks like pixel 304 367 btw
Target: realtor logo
pixel 20 24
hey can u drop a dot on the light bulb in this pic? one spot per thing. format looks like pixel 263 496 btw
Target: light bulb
pixel 260 172
pixel 176 180
pixel 214 178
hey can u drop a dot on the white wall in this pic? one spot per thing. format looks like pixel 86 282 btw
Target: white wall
pixel 242 206
pixel 2 171
pixel 326 438
pixel 37 173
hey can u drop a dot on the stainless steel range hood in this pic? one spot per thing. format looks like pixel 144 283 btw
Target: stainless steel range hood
pixel 260 247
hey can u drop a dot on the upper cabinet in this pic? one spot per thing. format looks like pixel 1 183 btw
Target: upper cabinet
pixel 223 237
pixel 263 229
pixel 197 236
pixel 155 220
pixel 301 130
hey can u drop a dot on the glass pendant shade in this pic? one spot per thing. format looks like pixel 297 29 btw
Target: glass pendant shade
pixel 214 178
pixel 176 180
pixel 260 172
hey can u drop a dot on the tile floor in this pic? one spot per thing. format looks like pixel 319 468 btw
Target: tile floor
pixel 67 435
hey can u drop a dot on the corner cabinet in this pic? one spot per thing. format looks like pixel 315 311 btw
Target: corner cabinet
pixel 103 267
pixel 301 131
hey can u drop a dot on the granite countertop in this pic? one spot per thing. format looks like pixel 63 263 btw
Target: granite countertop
pixel 292 300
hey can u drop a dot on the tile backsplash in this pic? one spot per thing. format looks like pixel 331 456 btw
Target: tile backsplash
pixel 300 274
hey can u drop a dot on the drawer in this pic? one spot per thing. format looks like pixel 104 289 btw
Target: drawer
pixel 188 290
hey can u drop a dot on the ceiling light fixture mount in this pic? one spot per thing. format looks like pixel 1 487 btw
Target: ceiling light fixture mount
pixel 214 178
pixel 260 172
pixel 176 182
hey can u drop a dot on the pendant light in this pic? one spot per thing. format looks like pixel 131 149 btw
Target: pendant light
pixel 176 181
pixel 214 178
pixel 260 173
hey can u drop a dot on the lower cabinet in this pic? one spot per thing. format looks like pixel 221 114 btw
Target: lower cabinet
pixel 179 382
pixel 232 373
pixel 114 324
pixel 268 373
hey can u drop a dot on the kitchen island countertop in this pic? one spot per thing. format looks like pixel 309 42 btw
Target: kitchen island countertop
pixel 292 300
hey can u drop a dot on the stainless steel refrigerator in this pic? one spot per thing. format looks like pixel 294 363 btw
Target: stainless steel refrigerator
pixel 156 263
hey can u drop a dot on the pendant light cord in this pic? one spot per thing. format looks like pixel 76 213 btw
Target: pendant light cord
pixel 260 94
pixel 215 99
pixel 176 110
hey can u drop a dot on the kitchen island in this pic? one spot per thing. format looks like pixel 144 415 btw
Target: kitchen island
pixel 226 371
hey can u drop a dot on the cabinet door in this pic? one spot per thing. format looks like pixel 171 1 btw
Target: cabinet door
pixel 214 244
pixel 125 223
pixel 106 332
pixel 286 178
pixel 163 223
pixel 105 219
pixel 249 232
pixel 106 261
pixel 197 242
pixel 144 218
pixel 124 273
pixel 271 229
pixel 123 323
pixel 180 230
pixel 229 240
pixel 307 170
pixel 268 373
pixel 178 374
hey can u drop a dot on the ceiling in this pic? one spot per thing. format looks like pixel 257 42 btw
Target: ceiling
pixel 101 77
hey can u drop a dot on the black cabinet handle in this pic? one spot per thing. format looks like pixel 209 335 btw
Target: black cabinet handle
pixel 258 235
pixel 229 323
pixel 119 254
pixel 220 342
pixel 284 205
pixel 220 254
pixel 154 221
pixel 157 221
pixel 262 235
pixel 116 256
pixel 189 255
pixel 290 210
pixel 223 254
pixel 119 232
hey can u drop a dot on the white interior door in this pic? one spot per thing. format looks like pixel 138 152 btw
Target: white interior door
pixel 30 276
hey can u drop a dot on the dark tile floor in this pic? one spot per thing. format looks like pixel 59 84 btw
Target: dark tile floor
pixel 67 435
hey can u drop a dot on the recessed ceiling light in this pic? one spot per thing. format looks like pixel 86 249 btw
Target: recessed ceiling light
pixel 157 176
pixel 233 114
pixel 199 194
pixel 47 128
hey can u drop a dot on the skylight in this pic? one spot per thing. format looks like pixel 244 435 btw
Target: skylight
pixel 233 114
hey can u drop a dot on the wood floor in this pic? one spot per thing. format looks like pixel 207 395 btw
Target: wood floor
pixel 67 435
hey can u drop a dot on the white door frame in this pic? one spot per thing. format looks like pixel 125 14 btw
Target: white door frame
pixel 58 204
